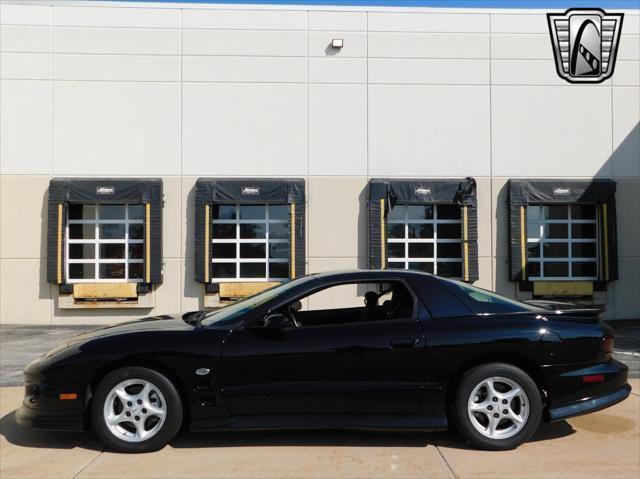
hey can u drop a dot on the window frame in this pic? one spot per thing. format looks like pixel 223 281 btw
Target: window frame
pixel 238 241
pixel 322 285
pixel 569 260
pixel 96 241
pixel 406 241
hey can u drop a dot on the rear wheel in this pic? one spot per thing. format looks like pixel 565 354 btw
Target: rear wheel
pixel 136 410
pixel 498 406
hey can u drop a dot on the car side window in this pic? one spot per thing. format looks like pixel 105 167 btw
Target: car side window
pixel 354 302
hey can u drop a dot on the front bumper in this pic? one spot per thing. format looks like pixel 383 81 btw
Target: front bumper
pixel 588 405
pixel 50 420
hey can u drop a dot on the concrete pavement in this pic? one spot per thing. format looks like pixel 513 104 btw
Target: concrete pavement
pixel 603 444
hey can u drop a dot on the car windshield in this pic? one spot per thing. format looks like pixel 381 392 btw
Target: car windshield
pixel 482 301
pixel 231 312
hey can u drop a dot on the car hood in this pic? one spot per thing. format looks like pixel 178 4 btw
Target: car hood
pixel 165 322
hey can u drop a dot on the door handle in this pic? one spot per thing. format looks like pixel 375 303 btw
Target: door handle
pixel 404 342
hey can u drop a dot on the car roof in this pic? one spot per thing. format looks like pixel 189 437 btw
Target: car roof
pixel 366 274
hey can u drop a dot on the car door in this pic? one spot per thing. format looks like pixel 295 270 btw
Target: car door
pixel 349 366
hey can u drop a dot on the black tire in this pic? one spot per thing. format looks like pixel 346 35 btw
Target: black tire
pixel 164 434
pixel 475 376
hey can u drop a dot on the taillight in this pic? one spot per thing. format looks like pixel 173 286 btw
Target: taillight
pixel 593 378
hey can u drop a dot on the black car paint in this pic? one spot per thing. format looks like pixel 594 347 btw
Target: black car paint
pixel 396 374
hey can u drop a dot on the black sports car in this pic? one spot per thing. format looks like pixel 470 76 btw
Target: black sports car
pixel 420 353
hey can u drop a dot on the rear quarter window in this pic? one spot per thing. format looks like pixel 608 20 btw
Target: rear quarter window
pixel 481 301
pixel 440 302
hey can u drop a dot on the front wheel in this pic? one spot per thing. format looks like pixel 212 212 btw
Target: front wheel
pixel 136 410
pixel 498 406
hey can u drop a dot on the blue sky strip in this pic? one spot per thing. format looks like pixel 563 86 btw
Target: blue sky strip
pixel 521 4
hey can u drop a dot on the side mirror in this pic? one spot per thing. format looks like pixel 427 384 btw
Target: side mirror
pixel 295 307
pixel 276 321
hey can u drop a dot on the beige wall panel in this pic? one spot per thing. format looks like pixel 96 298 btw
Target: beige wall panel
pixel 244 129
pixel 25 293
pixel 502 284
pixel 25 66
pixel 429 71
pixel 626 300
pixel 319 265
pixel 485 215
pixel 23 224
pixel 428 22
pixel 244 19
pixel 16 14
pixel 628 212
pixel 626 132
pixel 116 67
pixel 18 38
pixel 337 217
pixel 192 297
pixel 337 70
pixel 627 73
pixel 337 129
pixel 485 273
pixel 172 217
pixel 116 40
pixel 169 293
pixel 342 21
pixel 521 46
pixel 244 69
pixel 551 131
pixel 428 45
pixel 631 24
pixel 94 16
pixel 244 42
pixel 416 130
pixel 629 47
pixel 519 23
pixel 97 317
pixel 529 72
pixel 116 128
pixel 500 218
pixel 25 127
pixel 355 44
pixel 192 292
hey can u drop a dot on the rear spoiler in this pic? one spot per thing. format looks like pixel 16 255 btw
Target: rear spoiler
pixel 566 308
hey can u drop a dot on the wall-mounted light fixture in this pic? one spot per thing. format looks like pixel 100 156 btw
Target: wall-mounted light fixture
pixel 337 43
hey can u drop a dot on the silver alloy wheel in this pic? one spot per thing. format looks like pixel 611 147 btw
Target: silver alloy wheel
pixel 134 410
pixel 498 407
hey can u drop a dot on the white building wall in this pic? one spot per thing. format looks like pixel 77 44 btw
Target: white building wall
pixel 182 91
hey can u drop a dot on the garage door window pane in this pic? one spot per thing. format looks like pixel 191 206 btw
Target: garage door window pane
pixel 115 253
pixel 82 270
pixel 111 231
pixel 223 231
pixel 112 212
pixel 253 270
pixel 250 242
pixel 424 233
pixel 82 251
pixel 112 251
pixel 112 271
pixel 82 212
pixel 559 240
pixel 253 231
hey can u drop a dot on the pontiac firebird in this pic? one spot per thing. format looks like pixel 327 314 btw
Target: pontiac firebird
pixel 419 352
